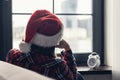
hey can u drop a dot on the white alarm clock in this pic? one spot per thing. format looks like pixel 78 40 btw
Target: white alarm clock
pixel 93 61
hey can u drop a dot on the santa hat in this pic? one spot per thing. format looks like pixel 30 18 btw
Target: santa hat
pixel 44 29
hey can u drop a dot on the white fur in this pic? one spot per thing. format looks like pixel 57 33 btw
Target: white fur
pixel 46 41
pixel 25 47
pixel 41 40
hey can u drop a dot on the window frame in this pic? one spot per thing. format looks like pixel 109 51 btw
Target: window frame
pixel 81 58
pixel 98 34
pixel 98 39
pixel 5 28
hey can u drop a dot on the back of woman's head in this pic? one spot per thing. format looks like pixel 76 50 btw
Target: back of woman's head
pixel 44 29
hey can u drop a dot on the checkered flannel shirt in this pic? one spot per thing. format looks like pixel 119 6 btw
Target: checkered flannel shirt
pixel 59 69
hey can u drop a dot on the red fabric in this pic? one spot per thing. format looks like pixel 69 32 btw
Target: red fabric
pixel 43 22
pixel 59 69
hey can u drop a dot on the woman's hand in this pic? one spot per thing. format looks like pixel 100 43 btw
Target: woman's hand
pixel 63 44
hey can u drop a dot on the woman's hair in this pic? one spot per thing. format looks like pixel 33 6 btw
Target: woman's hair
pixel 46 51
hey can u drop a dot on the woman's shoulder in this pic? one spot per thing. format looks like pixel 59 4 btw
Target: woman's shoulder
pixel 14 50
pixel 13 53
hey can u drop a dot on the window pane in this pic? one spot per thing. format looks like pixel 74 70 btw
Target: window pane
pixel 19 25
pixel 73 6
pixel 29 6
pixel 78 32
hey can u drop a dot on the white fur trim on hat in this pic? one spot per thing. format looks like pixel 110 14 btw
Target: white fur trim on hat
pixel 25 47
pixel 46 41
pixel 41 40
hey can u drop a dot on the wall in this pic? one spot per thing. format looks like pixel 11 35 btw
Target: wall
pixel 108 32
pixel 116 40
pixel 112 37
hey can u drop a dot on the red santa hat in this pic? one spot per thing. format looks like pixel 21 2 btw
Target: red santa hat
pixel 43 29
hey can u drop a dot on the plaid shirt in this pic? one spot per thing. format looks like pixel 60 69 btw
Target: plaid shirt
pixel 59 69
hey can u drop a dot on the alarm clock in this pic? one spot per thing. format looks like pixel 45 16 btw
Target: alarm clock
pixel 93 61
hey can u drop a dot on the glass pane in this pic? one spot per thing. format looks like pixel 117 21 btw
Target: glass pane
pixel 29 6
pixel 73 6
pixel 78 32
pixel 19 24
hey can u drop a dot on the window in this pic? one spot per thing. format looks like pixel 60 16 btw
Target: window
pixel 77 20
pixel 76 17
pixel 83 21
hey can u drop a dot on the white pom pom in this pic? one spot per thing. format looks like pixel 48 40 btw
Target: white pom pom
pixel 25 47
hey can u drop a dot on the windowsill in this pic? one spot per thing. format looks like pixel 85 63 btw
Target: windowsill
pixel 85 70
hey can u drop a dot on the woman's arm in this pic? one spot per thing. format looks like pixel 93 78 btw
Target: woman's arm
pixel 68 56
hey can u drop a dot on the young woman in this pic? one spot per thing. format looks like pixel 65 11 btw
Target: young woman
pixel 43 34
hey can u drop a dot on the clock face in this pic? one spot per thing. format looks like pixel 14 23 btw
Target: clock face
pixel 92 62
